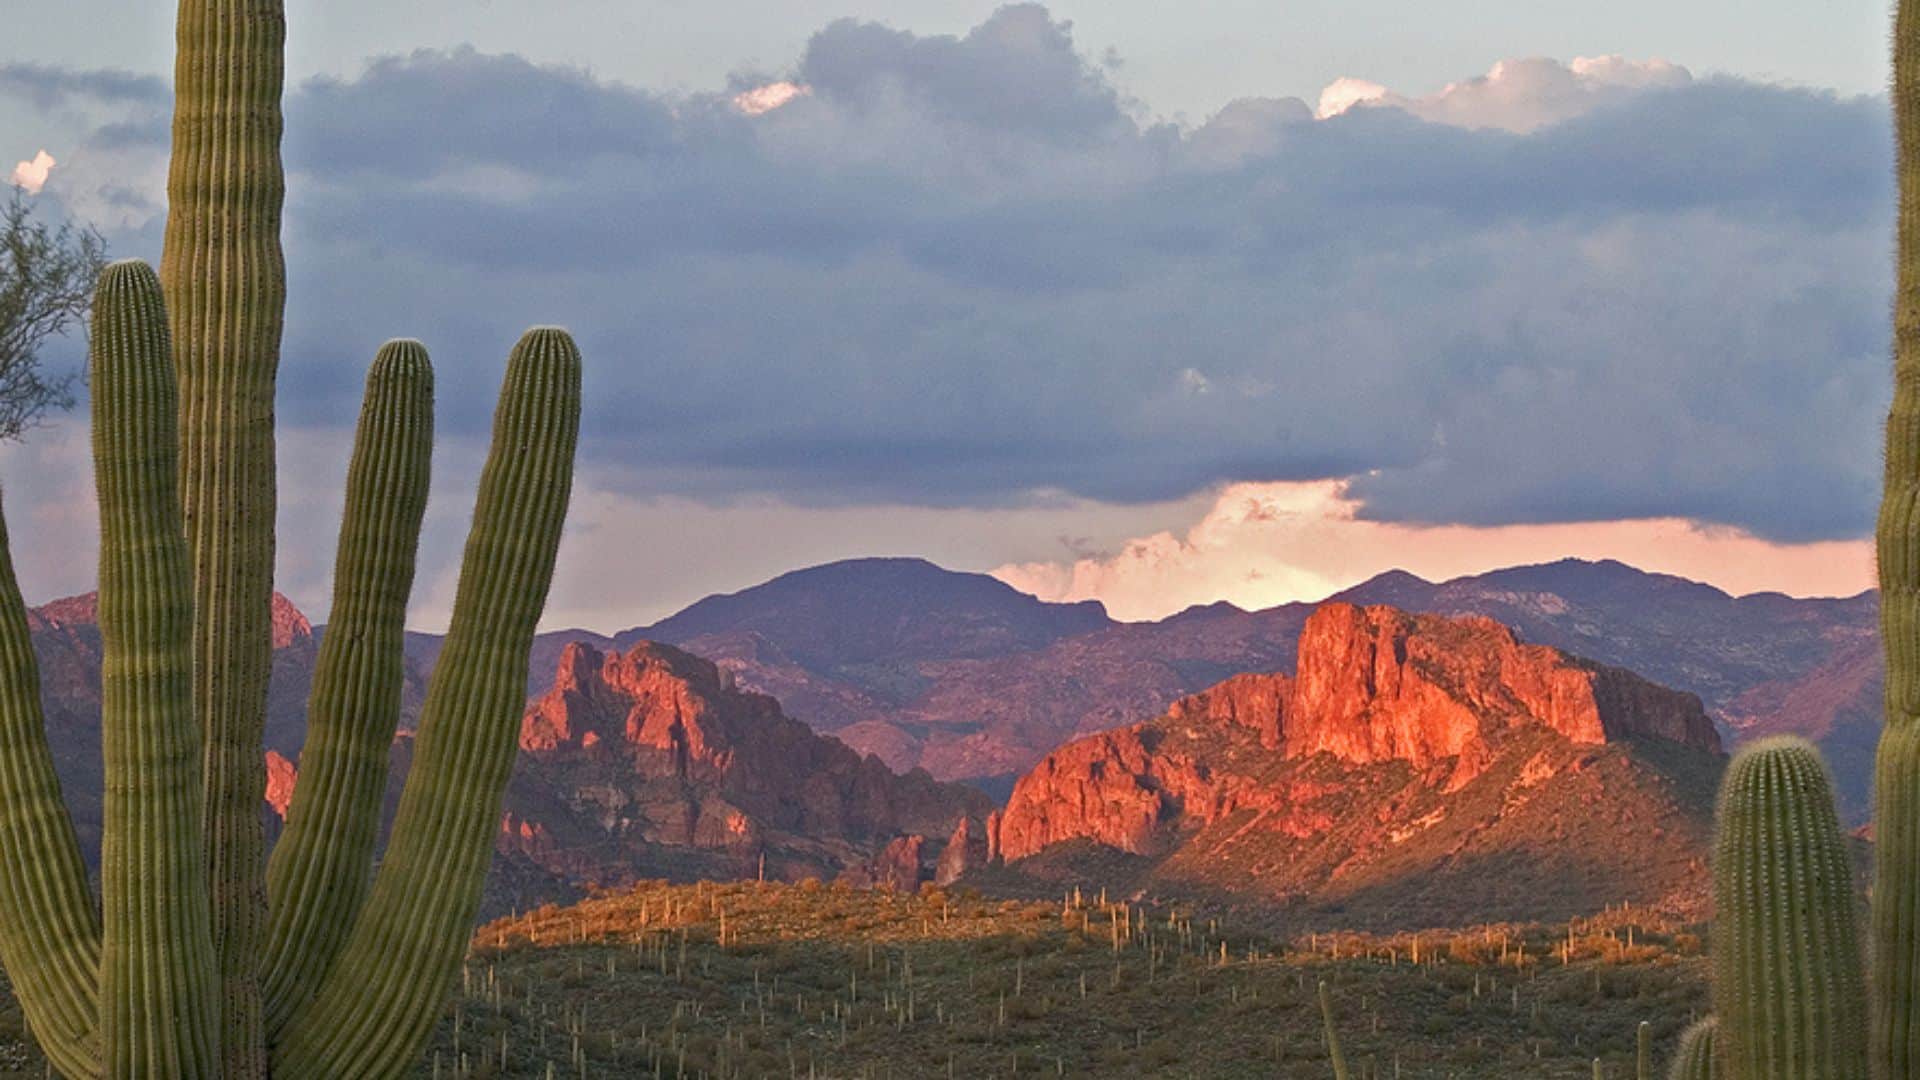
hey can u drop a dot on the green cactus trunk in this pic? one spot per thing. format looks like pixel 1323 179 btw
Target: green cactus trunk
pixel 226 289
pixel 1695 1059
pixel 1896 906
pixel 1788 982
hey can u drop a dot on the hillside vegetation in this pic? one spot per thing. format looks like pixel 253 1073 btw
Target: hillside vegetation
pixel 768 980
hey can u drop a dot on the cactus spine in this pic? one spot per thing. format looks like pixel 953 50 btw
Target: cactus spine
pixel 183 971
pixel 1788 986
pixel 1695 1059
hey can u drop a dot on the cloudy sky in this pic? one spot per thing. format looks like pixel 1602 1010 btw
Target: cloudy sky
pixel 1157 308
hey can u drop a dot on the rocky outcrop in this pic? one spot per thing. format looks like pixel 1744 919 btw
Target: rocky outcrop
pixel 1377 684
pixel 281 776
pixel 966 851
pixel 651 761
pixel 1400 735
pixel 896 868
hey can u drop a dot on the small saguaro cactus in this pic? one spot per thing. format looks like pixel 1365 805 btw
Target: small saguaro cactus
pixel 1789 989
pixel 198 962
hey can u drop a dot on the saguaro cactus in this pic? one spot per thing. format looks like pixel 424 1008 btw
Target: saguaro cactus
pixel 1788 986
pixel 1696 1058
pixel 184 970
pixel 1896 899
pixel 225 283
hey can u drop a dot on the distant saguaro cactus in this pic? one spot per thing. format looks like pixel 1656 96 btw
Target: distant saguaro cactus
pixel 198 964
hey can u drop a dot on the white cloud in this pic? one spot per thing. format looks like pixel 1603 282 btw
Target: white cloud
pixel 32 175
pixel 764 99
pixel 1260 545
pixel 1519 95
pixel 1346 92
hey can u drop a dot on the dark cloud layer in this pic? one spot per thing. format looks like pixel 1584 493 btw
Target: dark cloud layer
pixel 962 270
pixel 48 87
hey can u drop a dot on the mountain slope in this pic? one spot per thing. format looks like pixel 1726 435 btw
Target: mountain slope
pixel 1418 770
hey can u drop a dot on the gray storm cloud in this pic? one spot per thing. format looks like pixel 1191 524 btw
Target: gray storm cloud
pixel 971 271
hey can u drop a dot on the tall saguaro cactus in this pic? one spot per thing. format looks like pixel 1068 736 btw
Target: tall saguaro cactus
pixel 1896 901
pixel 225 282
pixel 199 962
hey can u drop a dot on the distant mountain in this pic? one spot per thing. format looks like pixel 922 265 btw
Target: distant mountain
pixel 868 622
pixel 1416 771
pixel 953 692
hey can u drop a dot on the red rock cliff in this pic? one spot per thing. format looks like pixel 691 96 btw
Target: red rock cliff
pixel 1375 686
pixel 631 752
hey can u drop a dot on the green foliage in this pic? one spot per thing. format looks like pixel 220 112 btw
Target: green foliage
pixel 47 276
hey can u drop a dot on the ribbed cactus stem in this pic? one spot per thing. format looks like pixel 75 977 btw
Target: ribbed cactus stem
pixel 226 290
pixel 1334 1053
pixel 157 975
pixel 1643 1056
pixel 378 1006
pixel 1896 883
pixel 1695 1059
pixel 319 874
pixel 1788 977
pixel 49 929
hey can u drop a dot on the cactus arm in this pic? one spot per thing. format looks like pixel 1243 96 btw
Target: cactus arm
pixel 318 875
pixel 226 289
pixel 161 1010
pixel 1643 1056
pixel 1334 1054
pixel 1695 1058
pixel 49 928
pixel 1788 980
pixel 1896 906
pixel 379 1003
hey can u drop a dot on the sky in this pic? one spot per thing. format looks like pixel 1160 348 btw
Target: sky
pixel 1242 301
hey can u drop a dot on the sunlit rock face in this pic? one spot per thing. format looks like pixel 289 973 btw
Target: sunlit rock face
pixel 1406 747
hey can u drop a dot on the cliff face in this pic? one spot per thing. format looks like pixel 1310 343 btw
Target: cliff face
pixel 1408 747
pixel 650 762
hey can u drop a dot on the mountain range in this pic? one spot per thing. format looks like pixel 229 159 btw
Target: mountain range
pixel 692 747
pixel 966 677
